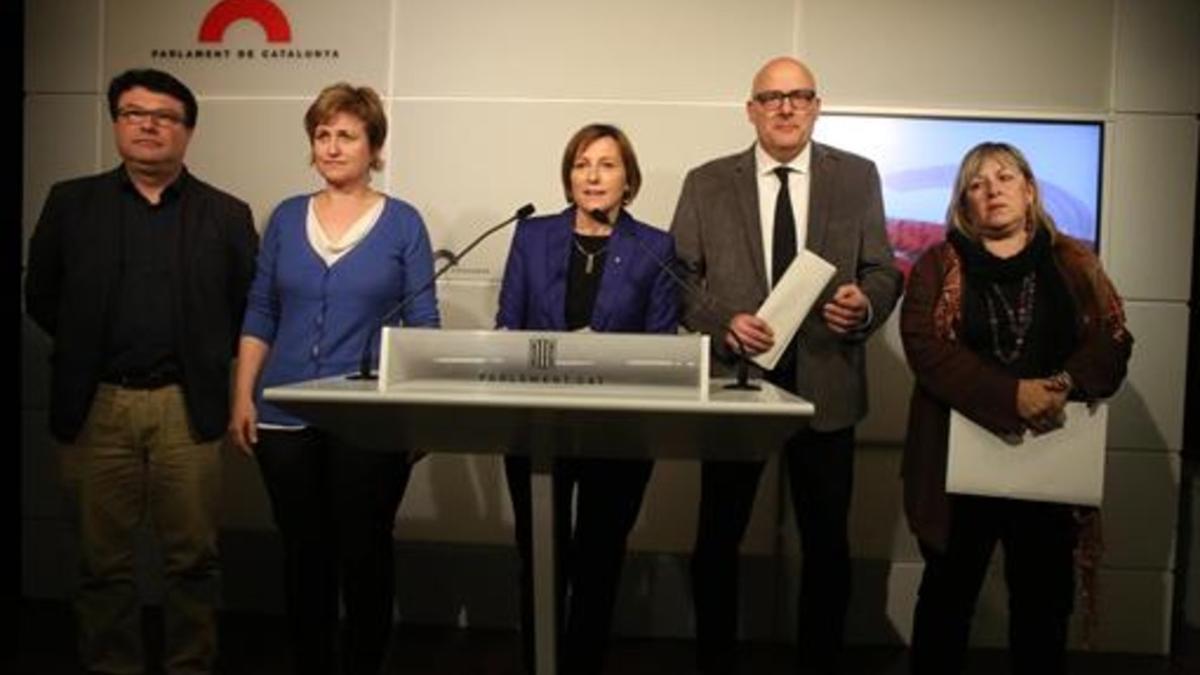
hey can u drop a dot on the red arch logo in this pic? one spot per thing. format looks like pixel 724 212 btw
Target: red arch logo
pixel 263 12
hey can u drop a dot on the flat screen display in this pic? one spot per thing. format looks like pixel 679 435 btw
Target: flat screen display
pixel 918 158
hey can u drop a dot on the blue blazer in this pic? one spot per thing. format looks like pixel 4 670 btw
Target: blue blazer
pixel 635 294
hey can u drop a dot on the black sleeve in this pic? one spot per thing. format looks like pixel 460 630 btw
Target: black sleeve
pixel 44 268
pixel 243 249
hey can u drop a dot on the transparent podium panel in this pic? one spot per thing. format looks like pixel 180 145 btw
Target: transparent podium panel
pixel 544 362
pixel 548 395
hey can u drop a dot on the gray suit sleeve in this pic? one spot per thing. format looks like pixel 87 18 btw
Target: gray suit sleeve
pixel 877 274
pixel 700 312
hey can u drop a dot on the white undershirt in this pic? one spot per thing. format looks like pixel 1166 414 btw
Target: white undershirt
pixel 768 193
pixel 332 251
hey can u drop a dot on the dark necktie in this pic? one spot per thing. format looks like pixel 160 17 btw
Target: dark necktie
pixel 784 248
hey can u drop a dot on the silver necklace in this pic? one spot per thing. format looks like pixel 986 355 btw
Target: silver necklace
pixel 1019 318
pixel 589 256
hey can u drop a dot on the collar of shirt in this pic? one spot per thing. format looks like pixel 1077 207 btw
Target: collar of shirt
pixel 765 164
pixel 768 193
pixel 170 193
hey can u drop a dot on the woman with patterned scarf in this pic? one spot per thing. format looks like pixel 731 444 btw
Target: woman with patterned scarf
pixel 1003 322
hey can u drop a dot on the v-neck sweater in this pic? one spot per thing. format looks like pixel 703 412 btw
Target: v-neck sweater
pixel 317 318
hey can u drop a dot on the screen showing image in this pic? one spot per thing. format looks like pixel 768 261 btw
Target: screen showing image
pixel 918 158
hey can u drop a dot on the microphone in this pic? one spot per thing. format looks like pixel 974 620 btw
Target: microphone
pixel 452 260
pixel 742 382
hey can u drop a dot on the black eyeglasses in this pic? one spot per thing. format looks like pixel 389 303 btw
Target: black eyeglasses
pixel 159 117
pixel 801 99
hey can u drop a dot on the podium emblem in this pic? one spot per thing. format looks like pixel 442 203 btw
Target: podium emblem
pixel 541 353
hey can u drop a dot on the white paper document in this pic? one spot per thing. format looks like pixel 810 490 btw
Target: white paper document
pixel 1065 465
pixel 790 301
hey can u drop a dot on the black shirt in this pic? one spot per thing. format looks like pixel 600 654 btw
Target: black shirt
pixel 141 328
pixel 583 278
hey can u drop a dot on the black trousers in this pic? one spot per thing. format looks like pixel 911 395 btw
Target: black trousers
pixel 820 469
pixel 1039 543
pixel 334 506
pixel 588 557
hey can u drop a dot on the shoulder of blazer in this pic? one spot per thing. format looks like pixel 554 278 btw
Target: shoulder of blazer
pixel 543 226
pixel 723 167
pixel 75 205
pixel 197 188
pixel 76 191
pixel 648 233
pixel 828 153
pixel 550 219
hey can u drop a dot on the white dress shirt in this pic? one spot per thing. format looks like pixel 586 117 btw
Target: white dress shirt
pixel 799 181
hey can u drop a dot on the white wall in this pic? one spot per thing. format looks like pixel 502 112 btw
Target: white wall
pixel 482 97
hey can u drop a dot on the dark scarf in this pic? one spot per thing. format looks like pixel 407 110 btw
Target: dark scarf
pixel 1051 337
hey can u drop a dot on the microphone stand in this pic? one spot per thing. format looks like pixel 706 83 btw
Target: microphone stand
pixel 742 381
pixel 364 364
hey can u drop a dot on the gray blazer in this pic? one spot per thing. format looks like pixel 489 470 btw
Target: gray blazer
pixel 718 239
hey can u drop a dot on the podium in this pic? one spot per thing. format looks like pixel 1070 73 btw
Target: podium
pixel 548 395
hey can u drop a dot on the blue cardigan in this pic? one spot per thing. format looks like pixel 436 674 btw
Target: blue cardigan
pixel 635 294
pixel 317 318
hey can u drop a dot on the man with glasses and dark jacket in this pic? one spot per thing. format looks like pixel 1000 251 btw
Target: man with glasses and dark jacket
pixel 139 275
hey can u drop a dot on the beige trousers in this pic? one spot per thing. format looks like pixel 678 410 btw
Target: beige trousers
pixel 138 461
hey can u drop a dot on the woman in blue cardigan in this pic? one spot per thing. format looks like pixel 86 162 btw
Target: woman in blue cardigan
pixel 332 264
pixel 591 267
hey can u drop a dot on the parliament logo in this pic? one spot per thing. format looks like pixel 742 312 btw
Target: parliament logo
pixel 275 25
pixel 263 12
pixel 542 353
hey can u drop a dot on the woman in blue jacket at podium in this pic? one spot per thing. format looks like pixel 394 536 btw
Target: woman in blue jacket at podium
pixel 590 267
pixel 332 264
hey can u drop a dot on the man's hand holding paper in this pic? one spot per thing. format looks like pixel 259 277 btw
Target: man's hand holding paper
pixel 754 333
pixel 790 301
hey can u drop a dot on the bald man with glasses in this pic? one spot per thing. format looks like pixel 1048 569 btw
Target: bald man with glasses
pixel 739 223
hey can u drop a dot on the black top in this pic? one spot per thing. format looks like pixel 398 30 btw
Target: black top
pixel 588 255
pixel 141 333
pixel 72 289
pixel 1017 312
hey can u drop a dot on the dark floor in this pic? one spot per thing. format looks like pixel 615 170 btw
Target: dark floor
pixel 254 644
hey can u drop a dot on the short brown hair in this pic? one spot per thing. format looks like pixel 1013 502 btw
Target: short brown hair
pixel 362 102
pixel 958 213
pixel 590 134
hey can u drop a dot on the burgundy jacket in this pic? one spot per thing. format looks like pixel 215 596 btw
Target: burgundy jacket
pixel 950 375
